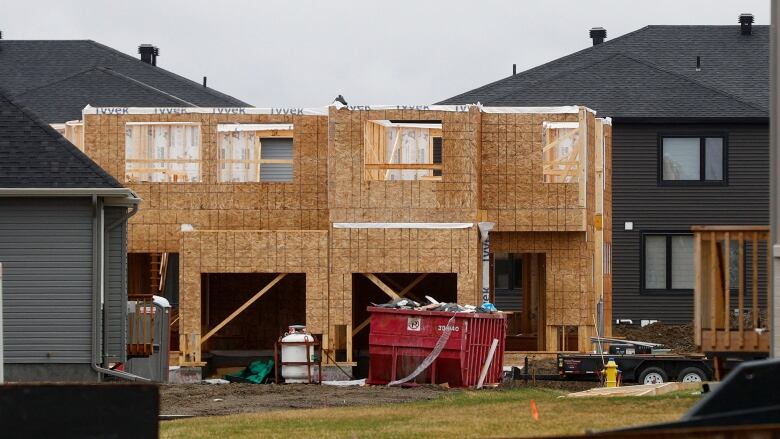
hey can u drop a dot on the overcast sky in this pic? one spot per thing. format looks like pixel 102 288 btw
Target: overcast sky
pixel 303 53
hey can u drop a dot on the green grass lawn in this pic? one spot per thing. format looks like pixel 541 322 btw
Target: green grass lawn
pixel 459 415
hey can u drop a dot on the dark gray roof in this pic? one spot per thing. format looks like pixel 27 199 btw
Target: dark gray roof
pixel 649 73
pixel 34 155
pixel 31 70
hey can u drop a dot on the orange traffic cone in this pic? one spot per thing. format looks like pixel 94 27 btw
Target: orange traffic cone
pixel 534 411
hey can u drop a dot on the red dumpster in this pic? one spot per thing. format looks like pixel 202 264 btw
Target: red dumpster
pixel 401 339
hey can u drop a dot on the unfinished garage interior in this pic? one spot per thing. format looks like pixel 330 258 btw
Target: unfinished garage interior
pixel 269 218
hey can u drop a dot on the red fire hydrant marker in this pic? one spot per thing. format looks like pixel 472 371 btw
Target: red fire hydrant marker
pixel 534 410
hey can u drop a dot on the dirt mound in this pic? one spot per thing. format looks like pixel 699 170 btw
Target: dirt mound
pixel 678 338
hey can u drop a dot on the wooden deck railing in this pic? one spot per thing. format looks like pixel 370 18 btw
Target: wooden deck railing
pixel 140 327
pixel 731 292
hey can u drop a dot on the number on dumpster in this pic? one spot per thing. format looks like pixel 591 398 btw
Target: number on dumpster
pixel 413 324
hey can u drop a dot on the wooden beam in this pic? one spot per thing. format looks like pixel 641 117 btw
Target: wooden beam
pixel 403 292
pixel 241 308
pixel 382 286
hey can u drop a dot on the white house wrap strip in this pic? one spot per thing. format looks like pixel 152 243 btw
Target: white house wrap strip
pixel 402 225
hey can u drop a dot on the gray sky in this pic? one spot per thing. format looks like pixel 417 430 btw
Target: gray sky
pixel 305 52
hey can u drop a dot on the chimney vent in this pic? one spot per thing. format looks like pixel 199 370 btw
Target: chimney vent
pixel 514 69
pixel 204 81
pixel 149 53
pixel 598 34
pixel 746 24
pixel 698 63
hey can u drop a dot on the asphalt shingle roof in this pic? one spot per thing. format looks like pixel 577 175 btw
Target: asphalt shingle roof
pixel 649 73
pixel 100 75
pixel 34 155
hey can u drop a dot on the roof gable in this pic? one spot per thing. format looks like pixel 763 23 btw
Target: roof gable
pixel 34 155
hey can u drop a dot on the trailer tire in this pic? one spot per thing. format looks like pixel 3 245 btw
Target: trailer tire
pixel 692 375
pixel 653 375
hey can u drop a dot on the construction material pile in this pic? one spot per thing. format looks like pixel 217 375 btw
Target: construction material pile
pixel 434 305
pixel 678 338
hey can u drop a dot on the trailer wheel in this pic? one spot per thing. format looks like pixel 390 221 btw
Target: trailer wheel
pixel 692 375
pixel 653 375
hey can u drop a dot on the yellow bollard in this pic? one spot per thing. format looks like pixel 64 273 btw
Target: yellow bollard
pixel 610 371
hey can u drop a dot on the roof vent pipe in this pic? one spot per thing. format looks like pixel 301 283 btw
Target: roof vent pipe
pixel 597 34
pixel 204 81
pixel 149 53
pixel 746 24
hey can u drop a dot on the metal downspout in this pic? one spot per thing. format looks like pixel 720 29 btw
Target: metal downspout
pixel 97 282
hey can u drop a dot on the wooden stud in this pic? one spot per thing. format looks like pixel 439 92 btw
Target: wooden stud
pixel 241 308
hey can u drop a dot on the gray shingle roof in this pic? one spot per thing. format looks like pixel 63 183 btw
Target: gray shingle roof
pixel 34 155
pixel 99 75
pixel 649 73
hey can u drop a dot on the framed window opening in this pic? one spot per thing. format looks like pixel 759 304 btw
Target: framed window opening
pixel 692 159
pixel 562 151
pixel 163 152
pixel 667 262
pixel 257 153
pixel 403 150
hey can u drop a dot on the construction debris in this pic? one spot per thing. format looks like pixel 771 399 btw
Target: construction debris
pixel 486 308
pixel 640 390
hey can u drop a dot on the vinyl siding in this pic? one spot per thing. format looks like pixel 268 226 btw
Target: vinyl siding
pixel 46 251
pixel 638 197
pixel 116 284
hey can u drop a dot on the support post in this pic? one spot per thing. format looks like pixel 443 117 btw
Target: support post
pixel 484 235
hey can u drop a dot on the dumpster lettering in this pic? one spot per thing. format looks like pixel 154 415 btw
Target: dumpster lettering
pixel 413 324
pixel 452 328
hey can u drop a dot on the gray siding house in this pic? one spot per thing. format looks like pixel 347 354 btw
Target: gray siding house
pixel 690 146
pixel 63 233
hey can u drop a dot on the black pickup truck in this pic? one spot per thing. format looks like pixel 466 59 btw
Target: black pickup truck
pixel 637 362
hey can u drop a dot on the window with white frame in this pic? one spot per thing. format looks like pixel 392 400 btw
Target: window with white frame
pixel 255 152
pixel 163 152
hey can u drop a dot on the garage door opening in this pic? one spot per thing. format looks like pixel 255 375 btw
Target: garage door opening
pixel 267 303
pixel 368 288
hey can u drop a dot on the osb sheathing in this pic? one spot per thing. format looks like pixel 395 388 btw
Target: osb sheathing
pixel 569 289
pixel 209 205
pixel 607 224
pixel 399 251
pixel 242 251
pixel 353 199
pixel 491 171
pixel 513 192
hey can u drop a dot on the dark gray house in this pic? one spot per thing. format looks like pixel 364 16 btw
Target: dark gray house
pixel 63 234
pixel 690 114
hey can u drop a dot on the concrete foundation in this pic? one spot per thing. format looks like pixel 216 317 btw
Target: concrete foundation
pixel 185 375
pixel 36 372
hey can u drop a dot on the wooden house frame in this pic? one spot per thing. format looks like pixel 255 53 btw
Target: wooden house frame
pixel 356 236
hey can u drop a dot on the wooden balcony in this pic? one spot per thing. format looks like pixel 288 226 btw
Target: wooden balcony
pixel 730 300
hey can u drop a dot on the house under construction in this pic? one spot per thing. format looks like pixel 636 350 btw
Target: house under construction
pixel 254 219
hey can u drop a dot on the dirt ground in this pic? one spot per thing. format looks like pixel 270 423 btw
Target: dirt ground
pixel 223 399
pixel 678 338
